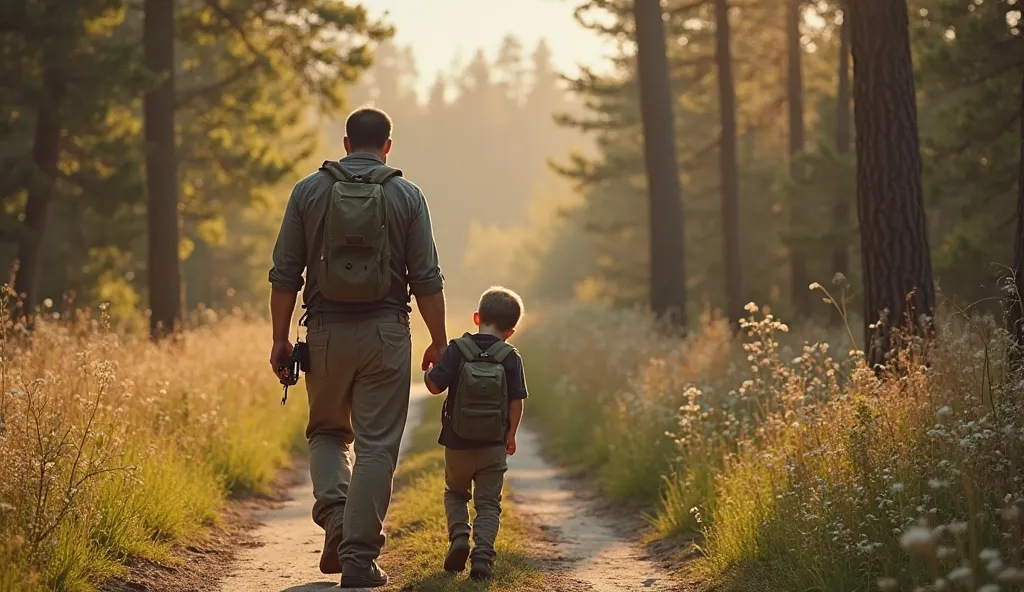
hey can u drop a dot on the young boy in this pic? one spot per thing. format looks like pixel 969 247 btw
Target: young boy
pixel 478 428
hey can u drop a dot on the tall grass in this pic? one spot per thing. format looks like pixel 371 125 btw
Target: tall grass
pixel 112 447
pixel 802 468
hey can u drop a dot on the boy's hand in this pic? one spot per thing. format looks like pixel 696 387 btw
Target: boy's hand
pixel 510 446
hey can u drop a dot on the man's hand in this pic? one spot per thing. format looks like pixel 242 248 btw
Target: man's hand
pixel 510 446
pixel 278 354
pixel 432 355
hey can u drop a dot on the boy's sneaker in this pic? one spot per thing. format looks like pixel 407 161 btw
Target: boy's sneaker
pixel 481 570
pixel 458 552
pixel 372 576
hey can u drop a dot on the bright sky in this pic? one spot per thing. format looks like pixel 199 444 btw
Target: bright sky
pixel 440 30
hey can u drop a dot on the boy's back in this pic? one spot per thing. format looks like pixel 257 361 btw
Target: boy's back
pixel 446 374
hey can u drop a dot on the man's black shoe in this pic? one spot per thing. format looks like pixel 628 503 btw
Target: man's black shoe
pixel 372 576
pixel 481 570
pixel 330 563
pixel 458 552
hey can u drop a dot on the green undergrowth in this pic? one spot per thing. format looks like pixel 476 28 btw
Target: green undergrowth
pixel 417 530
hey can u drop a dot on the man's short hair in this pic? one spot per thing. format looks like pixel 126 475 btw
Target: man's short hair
pixel 500 308
pixel 368 127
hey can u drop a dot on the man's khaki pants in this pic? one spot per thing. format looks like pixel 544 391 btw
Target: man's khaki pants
pixel 358 385
pixel 476 474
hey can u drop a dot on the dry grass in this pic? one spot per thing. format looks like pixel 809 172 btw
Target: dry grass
pixel 803 469
pixel 113 447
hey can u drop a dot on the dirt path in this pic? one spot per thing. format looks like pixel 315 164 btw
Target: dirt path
pixel 590 551
pixel 592 545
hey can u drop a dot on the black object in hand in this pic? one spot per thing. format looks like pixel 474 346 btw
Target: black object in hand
pixel 289 372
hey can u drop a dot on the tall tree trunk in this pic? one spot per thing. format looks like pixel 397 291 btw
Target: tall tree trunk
pixel 734 289
pixel 841 215
pixel 668 279
pixel 1015 314
pixel 798 275
pixel 45 156
pixel 162 170
pixel 890 203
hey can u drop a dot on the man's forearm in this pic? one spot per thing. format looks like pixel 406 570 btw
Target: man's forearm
pixel 282 306
pixel 515 415
pixel 432 310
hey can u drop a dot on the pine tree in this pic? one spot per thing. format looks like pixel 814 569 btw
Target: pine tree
pixel 667 275
pixel 798 274
pixel 730 174
pixel 894 235
pixel 844 119
pixel 1015 314
pixel 164 219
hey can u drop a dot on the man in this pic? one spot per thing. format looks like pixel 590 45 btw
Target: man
pixel 343 224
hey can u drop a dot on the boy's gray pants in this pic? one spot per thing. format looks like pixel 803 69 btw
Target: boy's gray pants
pixel 358 387
pixel 476 474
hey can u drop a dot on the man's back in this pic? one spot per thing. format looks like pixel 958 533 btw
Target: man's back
pixel 359 368
pixel 414 265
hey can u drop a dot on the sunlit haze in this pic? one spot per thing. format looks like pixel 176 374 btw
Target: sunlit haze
pixel 440 31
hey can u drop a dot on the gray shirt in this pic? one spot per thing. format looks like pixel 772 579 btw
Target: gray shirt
pixel 414 268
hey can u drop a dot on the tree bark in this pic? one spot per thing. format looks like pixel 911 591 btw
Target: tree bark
pixel 162 171
pixel 45 156
pixel 799 277
pixel 841 214
pixel 668 279
pixel 729 168
pixel 1015 314
pixel 890 205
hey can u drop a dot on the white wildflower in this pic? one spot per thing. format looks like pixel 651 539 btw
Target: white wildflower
pixel 1012 575
pixel 5 507
pixel 887 584
pixel 960 574
pixel 988 554
pixel 990 588
pixel 896 487
pixel 918 540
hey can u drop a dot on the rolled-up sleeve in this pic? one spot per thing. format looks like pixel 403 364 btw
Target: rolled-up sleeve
pixel 421 253
pixel 290 249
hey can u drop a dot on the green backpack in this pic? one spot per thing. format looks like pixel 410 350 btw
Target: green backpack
pixel 479 408
pixel 355 256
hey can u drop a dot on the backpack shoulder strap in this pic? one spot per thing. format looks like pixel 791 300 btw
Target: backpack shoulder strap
pixel 470 350
pixel 381 174
pixel 332 168
pixel 499 351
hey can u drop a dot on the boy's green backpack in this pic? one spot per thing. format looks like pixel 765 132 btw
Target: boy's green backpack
pixel 355 257
pixel 479 409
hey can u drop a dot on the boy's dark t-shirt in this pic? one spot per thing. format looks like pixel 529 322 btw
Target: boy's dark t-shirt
pixel 445 375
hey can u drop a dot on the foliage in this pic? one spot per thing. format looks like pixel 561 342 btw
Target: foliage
pixel 112 447
pixel 802 468
pixel 250 74
pixel 969 123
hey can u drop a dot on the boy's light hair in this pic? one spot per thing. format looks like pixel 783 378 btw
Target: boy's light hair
pixel 500 308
